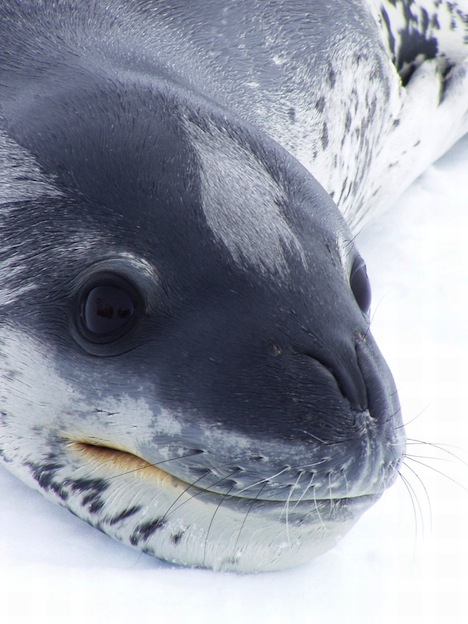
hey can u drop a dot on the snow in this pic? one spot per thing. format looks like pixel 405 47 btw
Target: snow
pixel 405 561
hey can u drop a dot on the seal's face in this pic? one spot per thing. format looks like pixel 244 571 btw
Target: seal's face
pixel 185 352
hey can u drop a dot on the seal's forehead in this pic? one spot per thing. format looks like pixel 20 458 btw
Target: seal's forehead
pixel 242 203
pixel 162 179
pixel 21 179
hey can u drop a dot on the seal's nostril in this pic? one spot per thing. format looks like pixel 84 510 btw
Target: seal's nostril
pixel 349 379
pixel 382 393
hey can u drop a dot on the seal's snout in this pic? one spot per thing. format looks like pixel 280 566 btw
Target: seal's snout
pixel 382 395
pixel 349 380
pixel 363 379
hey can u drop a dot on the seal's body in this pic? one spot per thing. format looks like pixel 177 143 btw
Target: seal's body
pixel 185 355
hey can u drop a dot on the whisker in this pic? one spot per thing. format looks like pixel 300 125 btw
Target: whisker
pixel 421 482
pixel 223 498
pixel 265 481
pixel 309 485
pixel 313 464
pixel 443 448
pixel 318 510
pixel 418 415
pixel 428 457
pixel 172 508
pixel 200 491
pixel 413 499
pixel 189 487
pixel 245 518
pixel 286 506
pixel 446 476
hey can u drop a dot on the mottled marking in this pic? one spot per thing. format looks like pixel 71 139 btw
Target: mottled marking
pixel 123 515
pixel 145 530
pixel 44 475
pixel 95 505
pixel 96 486
pixel 320 104
pixel 413 32
pixel 435 22
pixel 245 215
pixel 347 121
pixel 93 489
pixel 391 37
pixel 324 136
pixel 176 537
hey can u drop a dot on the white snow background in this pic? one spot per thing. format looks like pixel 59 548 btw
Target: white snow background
pixel 406 559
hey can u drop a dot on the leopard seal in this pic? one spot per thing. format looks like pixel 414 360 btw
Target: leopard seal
pixel 185 354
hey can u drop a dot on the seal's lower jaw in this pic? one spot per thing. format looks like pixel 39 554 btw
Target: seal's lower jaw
pixel 145 507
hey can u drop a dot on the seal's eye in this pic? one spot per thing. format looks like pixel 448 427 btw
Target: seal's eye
pixel 360 285
pixel 108 309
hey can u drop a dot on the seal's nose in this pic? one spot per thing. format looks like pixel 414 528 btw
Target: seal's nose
pixel 382 396
pixel 348 376
pixel 363 377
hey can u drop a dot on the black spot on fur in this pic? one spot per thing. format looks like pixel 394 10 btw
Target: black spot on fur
pixel 176 537
pixel 324 136
pixel 348 121
pixel 44 475
pixel 96 506
pixel 292 114
pixel 391 38
pixel 127 513
pixel 320 105
pixel 86 485
pixel 424 20
pixel 414 39
pixel 92 488
pixel 144 531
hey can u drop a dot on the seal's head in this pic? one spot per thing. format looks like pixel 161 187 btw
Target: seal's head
pixel 185 354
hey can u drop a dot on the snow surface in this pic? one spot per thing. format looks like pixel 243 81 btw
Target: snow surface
pixel 405 561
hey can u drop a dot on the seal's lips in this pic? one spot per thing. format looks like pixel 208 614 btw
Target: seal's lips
pixel 116 458
pixel 126 463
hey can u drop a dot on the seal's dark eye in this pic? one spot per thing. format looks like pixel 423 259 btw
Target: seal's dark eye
pixel 360 285
pixel 108 309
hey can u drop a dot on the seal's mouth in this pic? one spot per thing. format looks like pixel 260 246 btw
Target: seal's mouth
pixel 142 505
pixel 118 459
pixel 124 463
